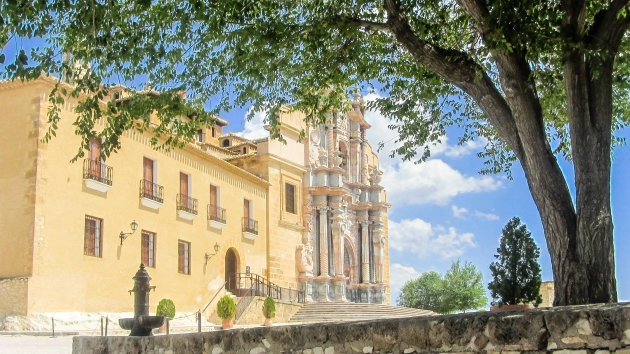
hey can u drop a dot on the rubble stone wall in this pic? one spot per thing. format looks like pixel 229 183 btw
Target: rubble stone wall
pixel 576 329
pixel 13 296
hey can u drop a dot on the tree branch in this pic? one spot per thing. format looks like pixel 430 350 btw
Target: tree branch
pixel 609 26
pixel 369 25
pixel 460 70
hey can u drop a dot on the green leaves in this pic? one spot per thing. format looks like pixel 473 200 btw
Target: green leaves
pixel 460 289
pixel 242 52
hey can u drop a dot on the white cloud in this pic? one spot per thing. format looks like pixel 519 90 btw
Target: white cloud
pixel 462 212
pixel 381 133
pixel 420 237
pixel 487 216
pixel 431 182
pixel 254 128
pixel 398 276
pixel 459 212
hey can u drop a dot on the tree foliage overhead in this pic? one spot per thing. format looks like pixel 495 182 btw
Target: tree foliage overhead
pixel 516 272
pixel 536 78
pixel 460 289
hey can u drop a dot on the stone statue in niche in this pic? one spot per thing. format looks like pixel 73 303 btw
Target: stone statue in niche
pixel 381 259
pixel 323 159
pixel 337 159
pixel 376 177
pixel 314 149
pixel 304 259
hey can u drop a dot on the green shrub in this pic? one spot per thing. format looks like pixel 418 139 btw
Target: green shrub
pixel 226 308
pixel 166 308
pixel 269 308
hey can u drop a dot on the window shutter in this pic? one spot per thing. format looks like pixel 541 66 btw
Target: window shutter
pixel 181 258
pixel 145 249
pixel 289 198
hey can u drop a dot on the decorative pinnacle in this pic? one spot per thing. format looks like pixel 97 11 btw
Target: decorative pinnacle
pixel 356 95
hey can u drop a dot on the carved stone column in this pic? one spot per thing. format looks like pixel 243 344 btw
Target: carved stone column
pixel 355 157
pixel 339 279
pixel 379 251
pixel 323 240
pixel 338 229
pixel 365 254
pixel 331 144
pixel 378 260
pixel 364 163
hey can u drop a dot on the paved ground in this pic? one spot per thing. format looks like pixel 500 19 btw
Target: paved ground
pixel 35 345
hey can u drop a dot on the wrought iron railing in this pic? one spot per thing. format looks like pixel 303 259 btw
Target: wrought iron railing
pixel 250 225
pixel 151 191
pixel 243 284
pixel 187 204
pixel 98 171
pixel 216 213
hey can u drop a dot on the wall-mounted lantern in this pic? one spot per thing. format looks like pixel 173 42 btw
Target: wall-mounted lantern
pixel 216 250
pixel 124 235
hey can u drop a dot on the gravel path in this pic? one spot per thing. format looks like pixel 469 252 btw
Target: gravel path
pixel 35 345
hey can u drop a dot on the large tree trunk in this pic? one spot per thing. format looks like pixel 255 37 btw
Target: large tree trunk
pixel 579 237
pixel 588 86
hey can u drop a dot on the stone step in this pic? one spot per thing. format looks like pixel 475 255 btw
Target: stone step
pixel 344 311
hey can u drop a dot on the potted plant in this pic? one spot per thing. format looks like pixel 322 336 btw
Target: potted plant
pixel 165 308
pixel 269 310
pixel 226 309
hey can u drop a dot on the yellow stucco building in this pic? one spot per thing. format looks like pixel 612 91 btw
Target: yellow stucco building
pixel 306 216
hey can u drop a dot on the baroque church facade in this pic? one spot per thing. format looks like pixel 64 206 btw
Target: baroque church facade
pixel 307 216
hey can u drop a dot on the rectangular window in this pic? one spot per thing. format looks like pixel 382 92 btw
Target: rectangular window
pixel 148 249
pixel 184 190
pixel 289 198
pixel 214 200
pixel 95 158
pixel 199 135
pixel 247 213
pixel 183 251
pixel 95 149
pixel 148 166
pixel 184 180
pixel 93 240
pixel 213 133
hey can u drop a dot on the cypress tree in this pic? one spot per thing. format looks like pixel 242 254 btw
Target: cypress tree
pixel 516 272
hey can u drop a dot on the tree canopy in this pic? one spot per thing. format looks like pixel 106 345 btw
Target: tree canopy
pixel 536 78
pixel 460 289
pixel 516 272
pixel 424 292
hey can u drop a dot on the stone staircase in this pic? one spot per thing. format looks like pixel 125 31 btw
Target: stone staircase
pixel 350 311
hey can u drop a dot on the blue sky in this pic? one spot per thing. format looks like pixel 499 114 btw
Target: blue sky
pixel 443 210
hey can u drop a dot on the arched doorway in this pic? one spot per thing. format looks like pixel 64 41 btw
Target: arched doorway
pixel 231 268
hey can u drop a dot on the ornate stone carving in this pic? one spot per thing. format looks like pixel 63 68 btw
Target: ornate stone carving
pixel 314 149
pixel 323 159
pixel 376 177
pixel 304 258
pixel 336 159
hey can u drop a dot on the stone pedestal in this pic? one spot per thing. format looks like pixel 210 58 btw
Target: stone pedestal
pixel 321 289
pixel 363 294
pixel 338 285
pixel 306 285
